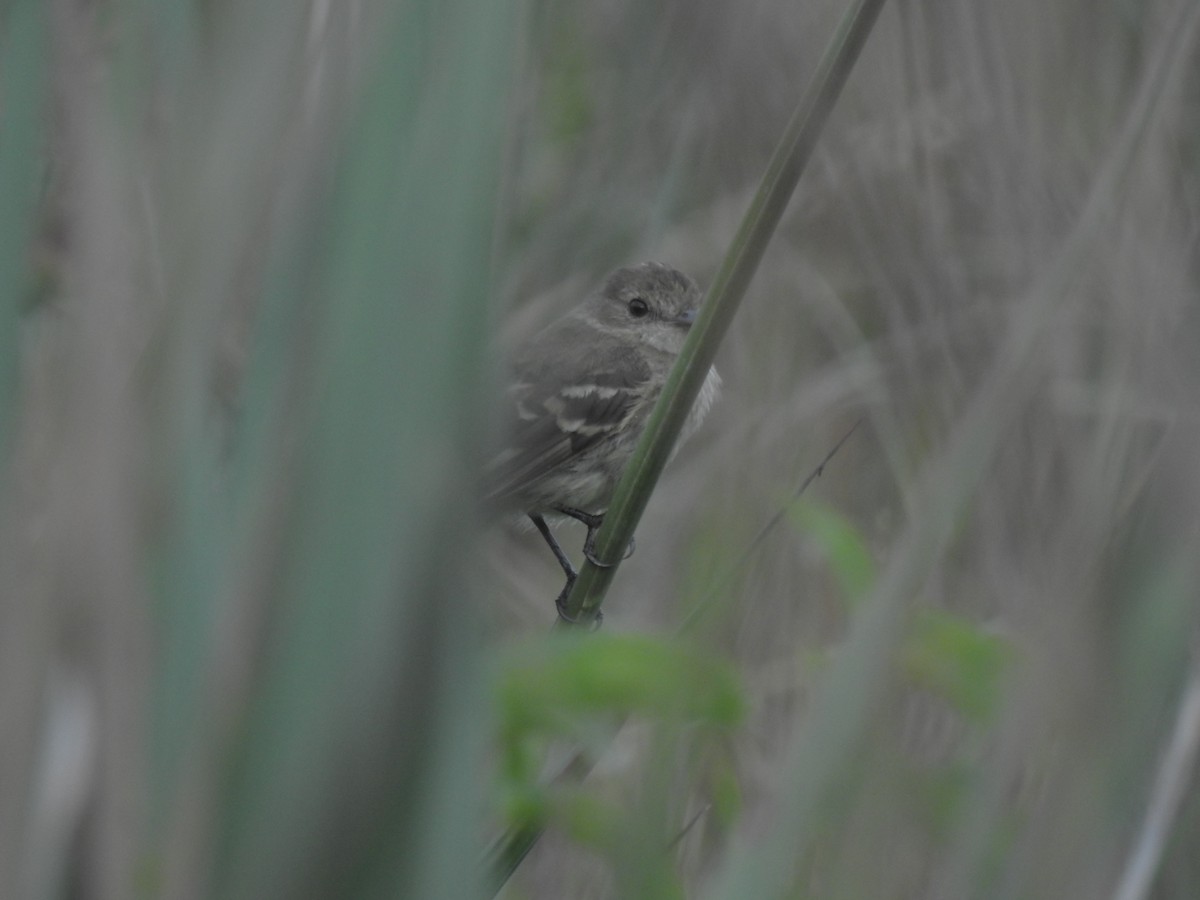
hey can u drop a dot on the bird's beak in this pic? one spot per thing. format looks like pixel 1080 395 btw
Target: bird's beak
pixel 686 318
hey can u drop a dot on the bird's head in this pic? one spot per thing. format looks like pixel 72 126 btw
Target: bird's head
pixel 651 302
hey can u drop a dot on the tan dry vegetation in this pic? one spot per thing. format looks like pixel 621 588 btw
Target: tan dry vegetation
pixel 266 655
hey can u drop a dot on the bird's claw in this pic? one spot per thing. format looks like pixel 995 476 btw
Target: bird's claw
pixel 589 551
pixel 560 603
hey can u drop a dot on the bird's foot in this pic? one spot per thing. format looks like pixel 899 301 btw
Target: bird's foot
pixel 560 603
pixel 593 521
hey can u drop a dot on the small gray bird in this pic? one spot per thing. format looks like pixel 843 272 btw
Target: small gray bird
pixel 582 392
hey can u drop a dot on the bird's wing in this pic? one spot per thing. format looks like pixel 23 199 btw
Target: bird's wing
pixel 565 399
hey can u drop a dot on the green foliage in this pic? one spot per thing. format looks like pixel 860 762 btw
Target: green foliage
pixel 578 686
pixel 563 687
pixel 958 660
pixel 840 543
pixel 547 684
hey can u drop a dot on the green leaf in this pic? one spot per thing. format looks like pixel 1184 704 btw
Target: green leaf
pixel 726 796
pixel 548 684
pixel 959 661
pixel 842 545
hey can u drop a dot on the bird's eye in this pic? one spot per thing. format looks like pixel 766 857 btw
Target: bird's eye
pixel 638 307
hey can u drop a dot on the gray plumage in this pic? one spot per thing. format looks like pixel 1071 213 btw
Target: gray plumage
pixel 584 386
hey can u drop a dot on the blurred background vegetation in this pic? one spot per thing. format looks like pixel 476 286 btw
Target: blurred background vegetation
pixel 256 262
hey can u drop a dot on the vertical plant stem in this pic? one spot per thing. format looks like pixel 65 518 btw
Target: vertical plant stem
pixel 724 296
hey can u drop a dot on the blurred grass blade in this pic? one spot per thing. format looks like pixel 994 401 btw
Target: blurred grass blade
pixel 214 215
pixel 23 93
pixel 348 762
pixel 724 296
pixel 1171 786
